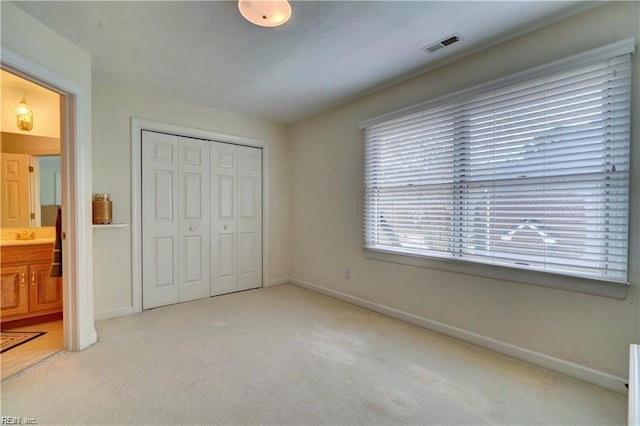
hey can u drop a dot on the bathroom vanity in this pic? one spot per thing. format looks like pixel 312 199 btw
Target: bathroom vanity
pixel 27 289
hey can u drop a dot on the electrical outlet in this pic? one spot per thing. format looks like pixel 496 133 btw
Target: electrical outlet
pixel 347 273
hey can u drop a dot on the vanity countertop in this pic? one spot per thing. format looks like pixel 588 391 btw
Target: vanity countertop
pixel 5 243
pixel 43 235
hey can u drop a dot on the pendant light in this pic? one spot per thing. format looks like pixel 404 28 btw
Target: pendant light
pixel 24 116
pixel 265 13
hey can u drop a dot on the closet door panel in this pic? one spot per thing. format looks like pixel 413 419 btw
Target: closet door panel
pixel 249 218
pixel 160 233
pixel 194 234
pixel 224 264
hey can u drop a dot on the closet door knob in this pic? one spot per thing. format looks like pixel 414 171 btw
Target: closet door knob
pixel 192 228
pixel 225 227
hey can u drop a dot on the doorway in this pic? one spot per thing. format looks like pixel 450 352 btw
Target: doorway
pixel 31 198
pixel 75 191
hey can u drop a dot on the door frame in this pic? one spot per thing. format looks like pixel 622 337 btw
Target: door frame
pixel 137 126
pixel 75 156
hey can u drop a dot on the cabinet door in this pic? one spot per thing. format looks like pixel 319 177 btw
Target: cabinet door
pixel 45 293
pixel 14 291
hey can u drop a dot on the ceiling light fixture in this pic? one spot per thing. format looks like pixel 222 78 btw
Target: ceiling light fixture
pixel 24 116
pixel 265 13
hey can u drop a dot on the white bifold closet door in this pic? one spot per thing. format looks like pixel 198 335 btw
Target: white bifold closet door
pixel 175 216
pixel 236 214
pixel 202 218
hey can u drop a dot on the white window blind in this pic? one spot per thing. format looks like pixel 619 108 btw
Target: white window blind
pixel 534 175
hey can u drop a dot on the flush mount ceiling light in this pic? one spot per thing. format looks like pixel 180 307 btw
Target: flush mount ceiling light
pixel 265 13
pixel 24 116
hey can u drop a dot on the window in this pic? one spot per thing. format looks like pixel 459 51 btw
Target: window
pixel 531 172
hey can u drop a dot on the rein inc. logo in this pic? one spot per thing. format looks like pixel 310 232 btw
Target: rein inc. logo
pixel 15 420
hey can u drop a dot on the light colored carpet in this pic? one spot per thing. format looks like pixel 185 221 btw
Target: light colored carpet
pixel 286 355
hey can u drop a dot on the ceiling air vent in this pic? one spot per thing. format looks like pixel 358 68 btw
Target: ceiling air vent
pixel 447 41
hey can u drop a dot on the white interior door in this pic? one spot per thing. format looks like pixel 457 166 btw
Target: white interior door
pixel 15 195
pixel 193 199
pixel 249 218
pixel 224 205
pixel 160 223
pixel 236 204
pixel 202 218
pixel 175 181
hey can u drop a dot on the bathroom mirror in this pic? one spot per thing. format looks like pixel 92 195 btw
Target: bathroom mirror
pixel 50 189
pixel 31 188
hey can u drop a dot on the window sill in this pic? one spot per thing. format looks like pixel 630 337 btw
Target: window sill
pixel 543 279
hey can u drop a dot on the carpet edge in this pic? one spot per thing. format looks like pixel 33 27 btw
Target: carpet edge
pixel 558 365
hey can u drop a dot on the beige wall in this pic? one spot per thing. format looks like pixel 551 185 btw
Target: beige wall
pixel 49 55
pixel 326 214
pixel 113 108
pixel 33 40
pixel 26 144
pixel 317 180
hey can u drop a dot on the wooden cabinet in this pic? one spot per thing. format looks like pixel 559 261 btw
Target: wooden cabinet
pixel 15 294
pixel 45 293
pixel 27 289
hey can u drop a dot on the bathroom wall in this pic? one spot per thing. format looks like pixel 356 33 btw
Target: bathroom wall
pixel 44 104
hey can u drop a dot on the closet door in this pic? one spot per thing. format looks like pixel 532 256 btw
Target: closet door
pixel 202 219
pixel 224 249
pixel 236 206
pixel 193 199
pixel 175 213
pixel 249 218
pixel 160 223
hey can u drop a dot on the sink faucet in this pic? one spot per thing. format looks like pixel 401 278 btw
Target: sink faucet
pixel 24 235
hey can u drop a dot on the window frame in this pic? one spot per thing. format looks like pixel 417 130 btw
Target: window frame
pixel 599 287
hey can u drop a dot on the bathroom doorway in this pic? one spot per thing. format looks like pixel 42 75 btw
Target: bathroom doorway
pixel 75 163
pixel 31 192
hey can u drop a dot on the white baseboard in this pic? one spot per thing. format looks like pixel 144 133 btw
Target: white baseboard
pixel 550 362
pixel 278 281
pixel 114 313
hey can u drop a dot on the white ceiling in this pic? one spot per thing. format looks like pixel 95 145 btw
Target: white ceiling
pixel 328 53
